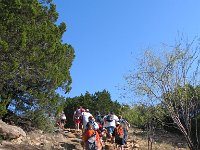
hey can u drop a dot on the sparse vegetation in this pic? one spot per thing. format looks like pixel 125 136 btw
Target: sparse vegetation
pixel 173 81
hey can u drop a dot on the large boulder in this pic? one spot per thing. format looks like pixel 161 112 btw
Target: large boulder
pixel 10 131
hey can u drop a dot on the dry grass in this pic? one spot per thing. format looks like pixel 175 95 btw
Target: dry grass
pixel 163 140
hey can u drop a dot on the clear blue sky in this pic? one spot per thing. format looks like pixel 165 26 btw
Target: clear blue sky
pixel 110 35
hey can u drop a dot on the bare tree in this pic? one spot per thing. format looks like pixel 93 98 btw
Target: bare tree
pixel 171 78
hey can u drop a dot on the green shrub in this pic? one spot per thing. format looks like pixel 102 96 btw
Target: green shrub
pixel 40 120
pixel 141 115
pixel 3 107
pixel 136 115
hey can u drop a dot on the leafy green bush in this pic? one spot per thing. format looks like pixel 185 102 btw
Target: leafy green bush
pixel 3 106
pixel 141 115
pixel 136 115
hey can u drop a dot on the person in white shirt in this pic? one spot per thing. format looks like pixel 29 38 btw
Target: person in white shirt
pixel 85 116
pixel 110 123
pixel 93 123
pixel 62 120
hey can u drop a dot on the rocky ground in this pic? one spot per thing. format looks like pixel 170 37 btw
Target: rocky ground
pixel 69 139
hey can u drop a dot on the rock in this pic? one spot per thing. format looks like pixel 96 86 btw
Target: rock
pixel 136 145
pixel 59 138
pixel 70 135
pixel 109 147
pixel 10 131
pixel 18 140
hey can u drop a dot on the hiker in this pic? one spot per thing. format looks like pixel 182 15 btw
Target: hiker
pixel 77 117
pixel 110 124
pixel 85 118
pixel 91 139
pixel 99 120
pixel 92 121
pixel 119 135
pixel 62 120
pixel 125 126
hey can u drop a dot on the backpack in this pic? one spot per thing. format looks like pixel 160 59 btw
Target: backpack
pixel 124 123
pixel 109 118
pixel 91 143
pixel 90 123
pixel 99 119
pixel 119 132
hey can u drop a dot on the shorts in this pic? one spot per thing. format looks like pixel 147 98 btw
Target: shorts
pixel 77 121
pixel 62 121
pixel 119 141
pixel 110 129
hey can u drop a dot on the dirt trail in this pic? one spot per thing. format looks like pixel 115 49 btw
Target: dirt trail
pixel 131 144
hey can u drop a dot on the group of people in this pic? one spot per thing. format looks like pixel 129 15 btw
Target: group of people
pixel 97 129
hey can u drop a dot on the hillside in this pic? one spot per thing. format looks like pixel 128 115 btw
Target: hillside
pixel 69 139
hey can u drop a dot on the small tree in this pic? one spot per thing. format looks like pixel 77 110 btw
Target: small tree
pixel 166 78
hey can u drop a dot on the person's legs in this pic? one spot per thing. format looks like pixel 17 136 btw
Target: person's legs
pixel 77 123
pixel 125 135
pixel 122 144
pixel 81 123
pixel 78 126
pixel 122 147
pixel 110 133
pixel 62 123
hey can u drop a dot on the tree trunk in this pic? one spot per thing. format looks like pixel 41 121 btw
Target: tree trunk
pixel 186 135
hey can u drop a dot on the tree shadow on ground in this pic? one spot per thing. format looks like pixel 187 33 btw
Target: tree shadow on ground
pixel 68 146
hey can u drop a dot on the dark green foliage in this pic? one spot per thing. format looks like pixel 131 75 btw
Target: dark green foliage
pixel 104 104
pixel 34 61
